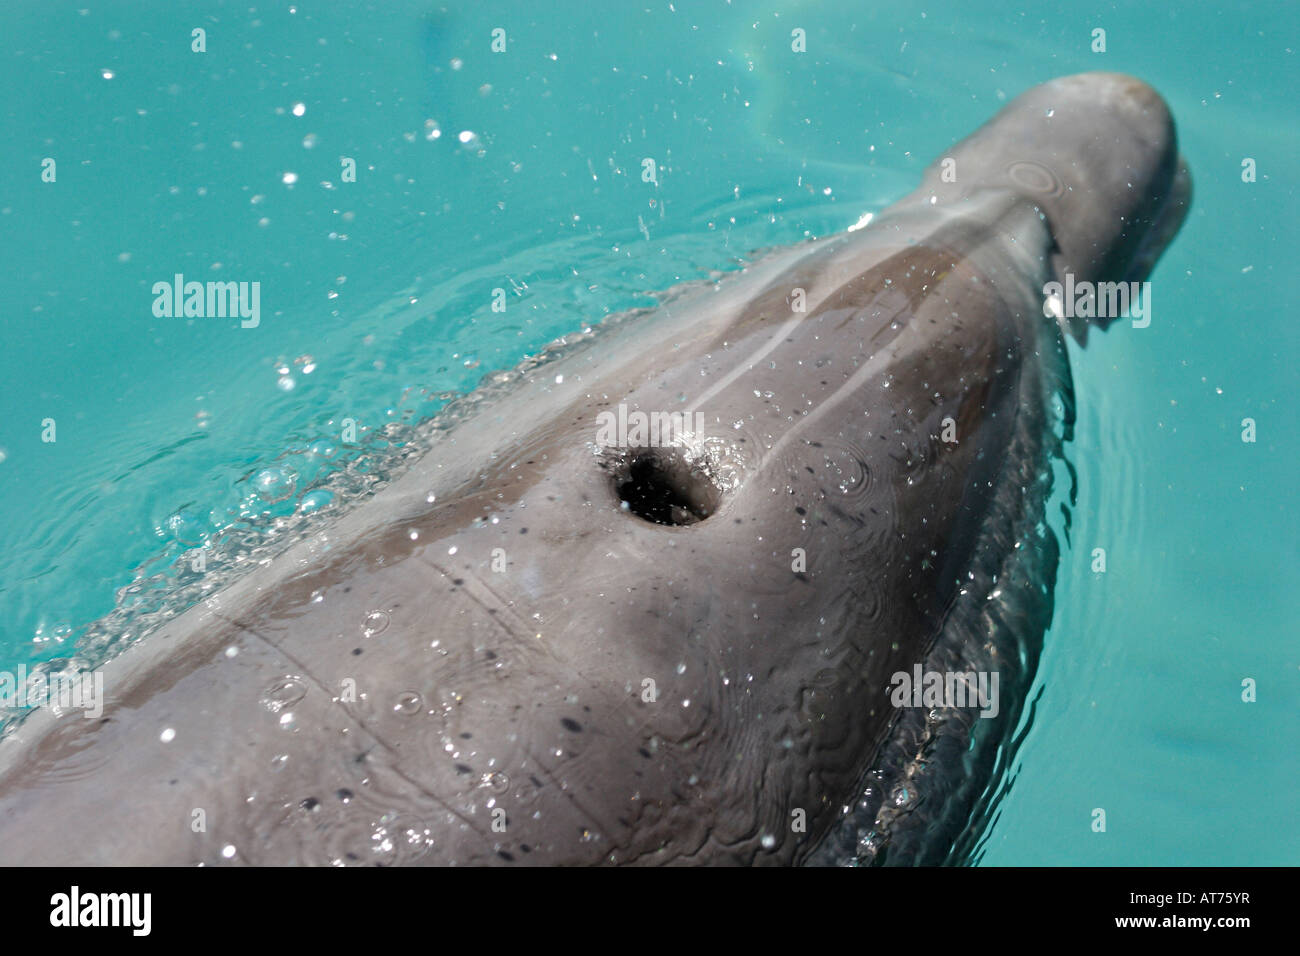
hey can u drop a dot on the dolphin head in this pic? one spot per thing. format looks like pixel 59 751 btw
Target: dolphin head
pixel 1097 154
pixel 647 604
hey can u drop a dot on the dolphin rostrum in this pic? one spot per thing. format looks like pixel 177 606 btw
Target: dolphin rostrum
pixel 679 594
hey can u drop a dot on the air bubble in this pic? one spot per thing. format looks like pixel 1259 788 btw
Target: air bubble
pixel 186 527
pixel 315 500
pixel 58 633
pixel 275 484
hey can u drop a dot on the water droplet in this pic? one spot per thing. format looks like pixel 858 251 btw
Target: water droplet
pixel 228 851
pixel 309 141
pixel 376 622
pixel 400 839
pixel 283 693
pixel 408 703
pixel 289 178
pixel 167 736
pixel 496 781
pixel 768 841
pixel 299 109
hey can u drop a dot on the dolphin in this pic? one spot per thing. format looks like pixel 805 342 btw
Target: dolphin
pixel 650 601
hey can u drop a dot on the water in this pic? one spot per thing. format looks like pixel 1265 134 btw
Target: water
pixel 523 172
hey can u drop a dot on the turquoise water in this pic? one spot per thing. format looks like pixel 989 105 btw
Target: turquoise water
pixel 521 171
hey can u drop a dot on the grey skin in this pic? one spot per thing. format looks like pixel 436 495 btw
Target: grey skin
pixel 518 697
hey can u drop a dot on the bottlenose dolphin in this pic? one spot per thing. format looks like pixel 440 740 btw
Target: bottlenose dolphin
pixel 649 603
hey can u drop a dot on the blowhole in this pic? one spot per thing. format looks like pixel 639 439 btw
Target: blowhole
pixel 664 485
